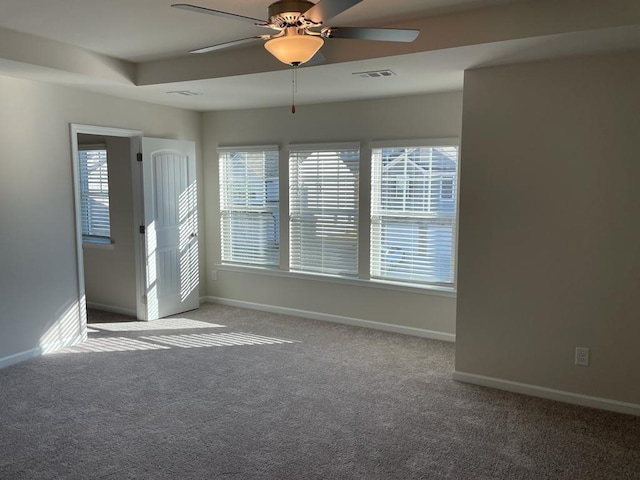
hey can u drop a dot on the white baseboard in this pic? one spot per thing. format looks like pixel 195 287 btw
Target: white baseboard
pixel 112 309
pixel 355 322
pixel 20 357
pixel 548 393
pixel 38 351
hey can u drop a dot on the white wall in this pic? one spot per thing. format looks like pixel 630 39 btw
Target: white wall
pixel 432 116
pixel 109 273
pixel 549 253
pixel 38 279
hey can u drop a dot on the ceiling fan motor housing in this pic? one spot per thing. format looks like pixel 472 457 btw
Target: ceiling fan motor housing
pixel 286 13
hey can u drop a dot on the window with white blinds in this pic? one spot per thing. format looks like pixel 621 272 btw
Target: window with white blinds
pixel 249 207
pixel 413 214
pixel 323 209
pixel 94 193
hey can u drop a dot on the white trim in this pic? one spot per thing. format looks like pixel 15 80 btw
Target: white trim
pixel 355 322
pixel 548 393
pixel 83 147
pixel 430 142
pixel 139 245
pixel 456 240
pixel 39 351
pixel 112 309
pixel 424 142
pixel 20 357
pixel 106 245
pixel 76 129
pixel 438 291
pixel 247 148
pixel 105 131
pixel 305 147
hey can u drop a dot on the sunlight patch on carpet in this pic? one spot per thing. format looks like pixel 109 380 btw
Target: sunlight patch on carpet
pixel 199 340
pixel 168 342
pixel 112 344
pixel 161 324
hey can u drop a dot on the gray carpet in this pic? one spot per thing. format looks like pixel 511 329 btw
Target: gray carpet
pixel 229 393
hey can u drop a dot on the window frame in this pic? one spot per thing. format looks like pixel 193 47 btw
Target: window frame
pixel 363 225
pixel 323 270
pixel 430 142
pixel 89 239
pixel 263 208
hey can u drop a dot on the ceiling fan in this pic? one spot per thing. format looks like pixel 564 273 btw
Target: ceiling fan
pixel 299 28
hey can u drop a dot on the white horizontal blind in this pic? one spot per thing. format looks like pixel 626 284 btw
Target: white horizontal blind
pixel 94 192
pixel 323 207
pixel 249 207
pixel 413 214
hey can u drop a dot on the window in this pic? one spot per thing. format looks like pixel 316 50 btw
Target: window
pixel 413 214
pixel 94 193
pixel 413 207
pixel 249 216
pixel 323 208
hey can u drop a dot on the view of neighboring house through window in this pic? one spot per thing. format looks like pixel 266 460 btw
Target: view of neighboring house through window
pixel 94 193
pixel 249 216
pixel 323 209
pixel 413 214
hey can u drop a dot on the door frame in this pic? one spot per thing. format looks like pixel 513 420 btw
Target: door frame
pixel 135 137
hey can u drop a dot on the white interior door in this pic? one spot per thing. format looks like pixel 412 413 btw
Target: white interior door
pixel 171 226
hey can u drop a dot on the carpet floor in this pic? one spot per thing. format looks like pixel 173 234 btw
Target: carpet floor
pixel 229 393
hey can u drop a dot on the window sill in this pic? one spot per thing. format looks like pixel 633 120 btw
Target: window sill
pixel 373 283
pixel 98 244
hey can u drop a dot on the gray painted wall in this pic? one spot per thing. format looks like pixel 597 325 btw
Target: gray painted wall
pixel 415 117
pixel 549 253
pixel 38 279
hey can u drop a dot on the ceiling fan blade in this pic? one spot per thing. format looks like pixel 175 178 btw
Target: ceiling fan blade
pixel 327 9
pixel 380 34
pixel 220 46
pixel 219 13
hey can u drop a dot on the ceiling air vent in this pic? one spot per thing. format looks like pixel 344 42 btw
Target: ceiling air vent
pixel 185 93
pixel 375 74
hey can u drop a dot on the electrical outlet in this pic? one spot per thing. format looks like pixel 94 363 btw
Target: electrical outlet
pixel 582 356
pixel 214 275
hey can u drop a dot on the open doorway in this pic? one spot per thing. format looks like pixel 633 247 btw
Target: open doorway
pixel 108 203
pixel 149 246
pixel 106 216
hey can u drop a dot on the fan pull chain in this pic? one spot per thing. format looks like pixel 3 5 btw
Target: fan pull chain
pixel 294 87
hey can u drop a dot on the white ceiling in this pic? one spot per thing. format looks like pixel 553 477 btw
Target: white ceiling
pixel 148 40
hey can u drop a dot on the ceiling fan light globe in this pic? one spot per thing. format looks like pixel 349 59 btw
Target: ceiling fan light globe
pixel 294 49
